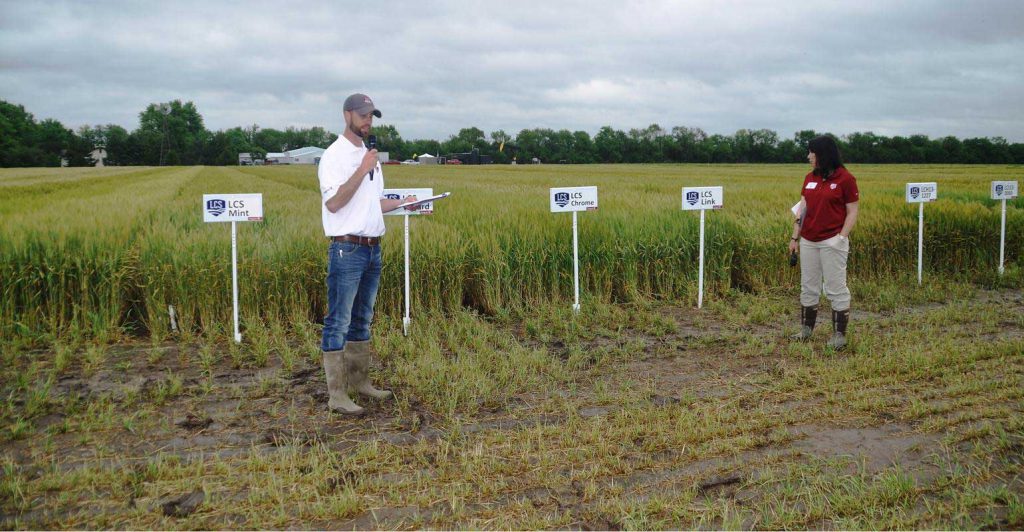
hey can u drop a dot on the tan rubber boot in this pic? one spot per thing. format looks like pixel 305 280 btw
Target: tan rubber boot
pixel 337 385
pixel 357 363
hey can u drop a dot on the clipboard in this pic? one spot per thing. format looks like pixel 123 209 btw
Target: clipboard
pixel 422 201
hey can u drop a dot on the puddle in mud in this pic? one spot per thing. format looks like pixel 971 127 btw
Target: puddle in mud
pixel 875 447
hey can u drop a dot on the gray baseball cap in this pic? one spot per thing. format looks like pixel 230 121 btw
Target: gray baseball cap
pixel 361 104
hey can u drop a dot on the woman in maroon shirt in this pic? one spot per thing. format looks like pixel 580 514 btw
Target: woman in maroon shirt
pixel 822 234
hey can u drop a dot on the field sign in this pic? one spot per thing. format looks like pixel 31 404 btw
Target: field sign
pixel 426 208
pixel 1004 190
pixel 922 192
pixel 400 193
pixel 702 198
pixel 572 199
pixel 232 207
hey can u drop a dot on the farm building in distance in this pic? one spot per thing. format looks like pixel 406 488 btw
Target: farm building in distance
pixel 307 155
pixel 246 159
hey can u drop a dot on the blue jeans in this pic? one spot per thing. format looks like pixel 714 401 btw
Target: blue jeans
pixel 353 275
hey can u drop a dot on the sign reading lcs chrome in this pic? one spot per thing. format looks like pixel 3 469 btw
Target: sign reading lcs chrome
pixel 702 198
pixel 232 207
pixel 571 199
pixel 1004 190
pixel 922 192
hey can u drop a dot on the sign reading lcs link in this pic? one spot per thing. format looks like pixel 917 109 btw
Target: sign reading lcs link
pixel 569 199
pixel 232 207
pixel 702 198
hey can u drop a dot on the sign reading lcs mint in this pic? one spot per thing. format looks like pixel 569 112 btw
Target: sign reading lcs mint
pixel 922 192
pixel 702 198
pixel 571 199
pixel 1004 190
pixel 232 207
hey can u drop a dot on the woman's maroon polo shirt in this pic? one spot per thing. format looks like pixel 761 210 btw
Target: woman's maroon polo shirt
pixel 826 204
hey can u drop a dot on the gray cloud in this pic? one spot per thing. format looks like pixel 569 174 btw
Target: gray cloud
pixel 926 66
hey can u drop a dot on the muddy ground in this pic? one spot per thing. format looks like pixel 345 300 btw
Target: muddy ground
pixel 264 410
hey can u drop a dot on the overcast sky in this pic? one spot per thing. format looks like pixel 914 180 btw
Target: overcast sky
pixel 939 67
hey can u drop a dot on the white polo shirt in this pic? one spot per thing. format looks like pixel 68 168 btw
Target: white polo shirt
pixel 361 215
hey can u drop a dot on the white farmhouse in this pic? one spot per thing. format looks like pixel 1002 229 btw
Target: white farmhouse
pixel 98 155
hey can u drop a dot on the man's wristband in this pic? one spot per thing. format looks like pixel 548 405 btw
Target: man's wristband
pixel 795 239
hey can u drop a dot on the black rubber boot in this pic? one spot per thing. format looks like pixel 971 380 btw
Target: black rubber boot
pixel 840 319
pixel 808 316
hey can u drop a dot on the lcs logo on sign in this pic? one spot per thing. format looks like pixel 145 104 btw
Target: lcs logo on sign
pixel 999 190
pixel 915 192
pixel 392 196
pixel 692 197
pixel 216 207
pixel 573 199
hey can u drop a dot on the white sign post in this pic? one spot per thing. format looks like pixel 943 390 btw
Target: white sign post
pixel 574 199
pixel 425 208
pixel 233 208
pixel 701 199
pixel 1003 190
pixel 921 193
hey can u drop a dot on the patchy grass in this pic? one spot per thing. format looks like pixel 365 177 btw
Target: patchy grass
pixel 643 415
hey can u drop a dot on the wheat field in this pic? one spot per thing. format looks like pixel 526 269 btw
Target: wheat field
pixel 102 253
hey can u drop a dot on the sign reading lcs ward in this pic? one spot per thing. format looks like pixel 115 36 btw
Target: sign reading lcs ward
pixel 232 207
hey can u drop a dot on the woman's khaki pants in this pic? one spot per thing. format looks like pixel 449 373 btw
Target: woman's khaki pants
pixel 824 261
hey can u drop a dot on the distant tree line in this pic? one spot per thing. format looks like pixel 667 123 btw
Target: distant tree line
pixel 173 133
pixel 169 133
pixel 655 144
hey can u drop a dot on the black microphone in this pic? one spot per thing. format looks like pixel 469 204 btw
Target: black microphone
pixel 371 143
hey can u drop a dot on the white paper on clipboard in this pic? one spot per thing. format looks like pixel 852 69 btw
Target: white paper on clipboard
pixel 422 201
pixel 798 209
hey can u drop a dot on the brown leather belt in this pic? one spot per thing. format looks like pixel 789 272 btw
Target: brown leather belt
pixel 361 240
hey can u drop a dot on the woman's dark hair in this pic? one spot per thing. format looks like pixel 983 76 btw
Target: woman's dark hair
pixel 826 153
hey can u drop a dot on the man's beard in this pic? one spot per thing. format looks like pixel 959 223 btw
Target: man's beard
pixel 355 131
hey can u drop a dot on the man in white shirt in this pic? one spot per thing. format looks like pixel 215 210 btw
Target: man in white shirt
pixel 353 207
